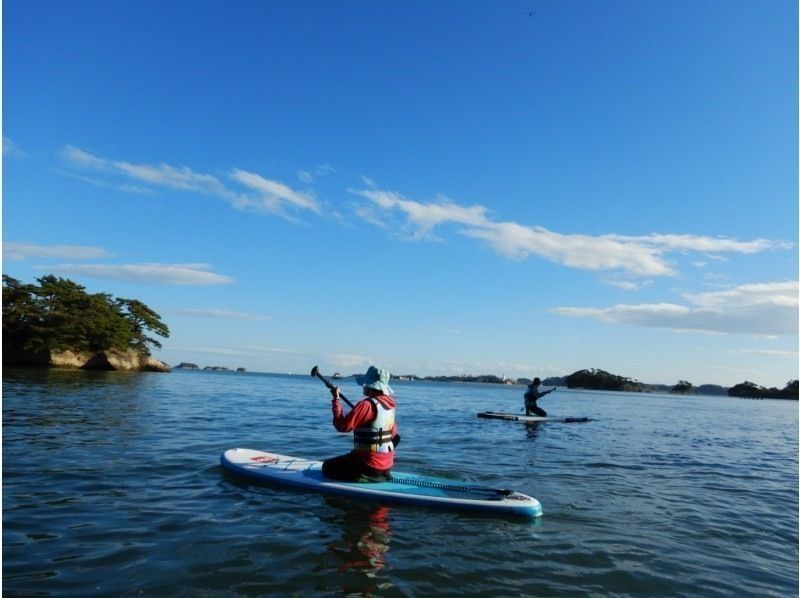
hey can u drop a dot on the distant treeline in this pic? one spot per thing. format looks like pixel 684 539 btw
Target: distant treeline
pixel 601 380
pixel 487 379
pixel 58 314
pixel 748 390
pixel 595 379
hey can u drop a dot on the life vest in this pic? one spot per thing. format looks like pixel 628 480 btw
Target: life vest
pixel 376 437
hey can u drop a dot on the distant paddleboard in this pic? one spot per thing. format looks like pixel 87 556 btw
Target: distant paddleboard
pixel 401 488
pixel 532 418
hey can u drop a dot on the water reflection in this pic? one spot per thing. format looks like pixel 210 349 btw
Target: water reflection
pixel 64 379
pixel 532 430
pixel 363 549
pixel 68 409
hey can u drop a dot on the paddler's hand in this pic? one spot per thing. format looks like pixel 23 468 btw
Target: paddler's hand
pixel 335 394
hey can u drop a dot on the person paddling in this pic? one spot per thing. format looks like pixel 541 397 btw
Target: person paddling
pixel 532 395
pixel 372 421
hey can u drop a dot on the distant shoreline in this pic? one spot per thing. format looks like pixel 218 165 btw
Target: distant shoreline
pixel 598 380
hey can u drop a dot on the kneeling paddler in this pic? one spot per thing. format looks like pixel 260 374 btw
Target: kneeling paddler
pixel 372 422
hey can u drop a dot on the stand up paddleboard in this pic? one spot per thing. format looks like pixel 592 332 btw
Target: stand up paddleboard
pixel 532 418
pixel 401 488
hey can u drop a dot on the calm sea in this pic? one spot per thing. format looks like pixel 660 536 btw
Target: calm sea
pixel 112 487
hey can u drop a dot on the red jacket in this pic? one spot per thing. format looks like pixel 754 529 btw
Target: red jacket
pixel 360 415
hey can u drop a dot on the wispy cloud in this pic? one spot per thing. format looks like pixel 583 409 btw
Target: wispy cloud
pixel 170 274
pixel 81 157
pixel 255 351
pixel 270 195
pixel 625 285
pixel 231 351
pixel 767 352
pixel 309 176
pixel 583 252
pixel 423 218
pixel 348 361
pixel 222 314
pixel 16 251
pixel 767 309
pixel 635 256
pixel 259 195
pixel 11 150
pixel 182 178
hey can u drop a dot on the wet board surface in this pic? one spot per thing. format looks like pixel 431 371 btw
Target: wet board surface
pixel 402 488
pixel 532 418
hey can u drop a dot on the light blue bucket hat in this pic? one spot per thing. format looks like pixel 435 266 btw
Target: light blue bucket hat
pixel 376 378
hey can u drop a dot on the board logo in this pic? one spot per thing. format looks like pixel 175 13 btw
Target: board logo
pixel 264 459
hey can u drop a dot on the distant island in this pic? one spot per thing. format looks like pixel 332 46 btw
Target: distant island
pixel 596 379
pixel 58 324
pixel 209 368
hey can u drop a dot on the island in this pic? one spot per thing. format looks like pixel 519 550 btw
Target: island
pixel 597 379
pixel 56 323
pixel 184 365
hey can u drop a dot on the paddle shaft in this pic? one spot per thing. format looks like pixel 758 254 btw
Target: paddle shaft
pixel 315 372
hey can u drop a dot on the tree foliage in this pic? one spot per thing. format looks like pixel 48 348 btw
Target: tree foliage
pixel 750 390
pixel 58 314
pixel 601 380
pixel 682 387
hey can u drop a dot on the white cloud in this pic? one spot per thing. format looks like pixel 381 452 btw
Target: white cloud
pixel 308 176
pixel 583 252
pixel 424 217
pixel 247 350
pixel 635 256
pixel 232 351
pixel 83 158
pixel 21 251
pixel 182 178
pixel 270 195
pixel 171 274
pixel 774 293
pixel 265 349
pixel 347 361
pixel 262 195
pixel 625 285
pixel 11 150
pixel 760 309
pixel 706 244
pixel 767 352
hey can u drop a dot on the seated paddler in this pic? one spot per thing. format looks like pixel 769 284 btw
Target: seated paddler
pixel 372 422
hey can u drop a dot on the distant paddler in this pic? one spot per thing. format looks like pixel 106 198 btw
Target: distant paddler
pixel 532 395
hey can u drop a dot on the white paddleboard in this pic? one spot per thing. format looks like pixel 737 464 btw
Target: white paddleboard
pixel 532 418
pixel 402 487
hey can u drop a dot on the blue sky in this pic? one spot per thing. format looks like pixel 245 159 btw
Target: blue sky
pixel 515 188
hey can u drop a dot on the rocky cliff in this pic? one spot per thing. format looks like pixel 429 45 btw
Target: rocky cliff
pixel 124 361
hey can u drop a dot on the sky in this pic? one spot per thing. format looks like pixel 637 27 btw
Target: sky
pixel 518 188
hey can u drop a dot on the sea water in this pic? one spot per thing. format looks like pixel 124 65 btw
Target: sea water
pixel 112 486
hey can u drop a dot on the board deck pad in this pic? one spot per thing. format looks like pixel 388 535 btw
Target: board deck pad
pixel 532 418
pixel 402 487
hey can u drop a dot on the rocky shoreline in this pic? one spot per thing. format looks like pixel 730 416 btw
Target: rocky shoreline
pixel 111 360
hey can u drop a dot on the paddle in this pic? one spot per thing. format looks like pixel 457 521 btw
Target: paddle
pixel 315 372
